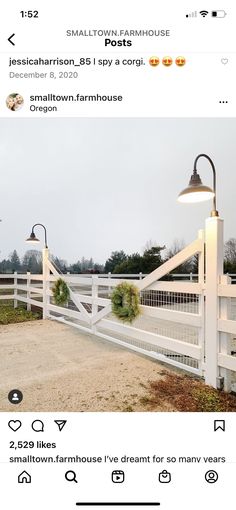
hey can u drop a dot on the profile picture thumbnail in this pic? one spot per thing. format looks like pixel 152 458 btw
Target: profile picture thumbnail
pixel 14 101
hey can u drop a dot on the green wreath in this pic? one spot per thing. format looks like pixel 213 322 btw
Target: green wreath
pixel 125 302
pixel 61 292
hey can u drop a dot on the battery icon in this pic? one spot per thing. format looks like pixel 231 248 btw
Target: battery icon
pixel 218 14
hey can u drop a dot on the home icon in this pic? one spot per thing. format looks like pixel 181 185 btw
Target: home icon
pixel 24 477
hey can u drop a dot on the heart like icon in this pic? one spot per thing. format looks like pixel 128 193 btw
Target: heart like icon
pixel 14 425
pixel 224 61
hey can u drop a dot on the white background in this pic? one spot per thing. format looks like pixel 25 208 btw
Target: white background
pixel 194 90
pixel 119 434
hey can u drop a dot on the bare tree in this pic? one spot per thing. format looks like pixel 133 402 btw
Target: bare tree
pixel 149 245
pixel 176 247
pixel 230 251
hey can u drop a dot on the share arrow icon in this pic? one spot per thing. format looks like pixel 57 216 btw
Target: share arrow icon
pixel 60 424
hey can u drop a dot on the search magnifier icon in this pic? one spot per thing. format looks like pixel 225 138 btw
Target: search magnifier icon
pixel 70 476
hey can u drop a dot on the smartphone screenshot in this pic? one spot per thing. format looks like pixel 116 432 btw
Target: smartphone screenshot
pixel 117 255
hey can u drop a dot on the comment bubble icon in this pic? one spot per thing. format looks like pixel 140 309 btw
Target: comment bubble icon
pixel 37 426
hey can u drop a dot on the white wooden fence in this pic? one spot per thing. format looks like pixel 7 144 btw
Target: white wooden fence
pixel 188 324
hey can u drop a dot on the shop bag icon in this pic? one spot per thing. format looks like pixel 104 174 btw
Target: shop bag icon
pixel 164 476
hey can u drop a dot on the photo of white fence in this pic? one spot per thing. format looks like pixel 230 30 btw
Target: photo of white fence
pixel 186 324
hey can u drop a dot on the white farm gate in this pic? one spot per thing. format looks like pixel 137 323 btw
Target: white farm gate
pixel 188 324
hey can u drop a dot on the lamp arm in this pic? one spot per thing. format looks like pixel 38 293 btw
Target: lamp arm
pixel 214 211
pixel 45 232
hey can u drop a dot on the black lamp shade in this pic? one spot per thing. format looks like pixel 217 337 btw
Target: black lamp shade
pixel 32 238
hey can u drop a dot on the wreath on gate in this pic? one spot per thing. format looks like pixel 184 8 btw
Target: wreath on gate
pixel 61 292
pixel 125 302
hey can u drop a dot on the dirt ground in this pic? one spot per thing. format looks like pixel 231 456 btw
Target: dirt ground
pixel 59 368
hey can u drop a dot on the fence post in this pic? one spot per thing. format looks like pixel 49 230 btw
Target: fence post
pixel 46 283
pixel 15 290
pixel 28 292
pixel 94 303
pixel 201 310
pixel 214 270
pixel 109 288
pixel 140 275
pixel 225 338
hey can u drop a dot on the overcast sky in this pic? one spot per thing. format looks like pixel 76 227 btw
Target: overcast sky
pixel 101 185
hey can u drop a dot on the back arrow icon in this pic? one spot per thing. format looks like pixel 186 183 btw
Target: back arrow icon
pixel 10 39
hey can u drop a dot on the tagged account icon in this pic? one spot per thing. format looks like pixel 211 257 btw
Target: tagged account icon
pixel 164 476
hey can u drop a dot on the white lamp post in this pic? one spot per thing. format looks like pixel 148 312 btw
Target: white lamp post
pixel 46 272
pixel 214 246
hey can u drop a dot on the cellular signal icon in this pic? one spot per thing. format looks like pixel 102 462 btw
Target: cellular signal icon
pixel 204 13
pixel 192 15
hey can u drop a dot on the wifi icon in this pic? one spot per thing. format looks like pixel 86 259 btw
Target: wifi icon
pixel 204 13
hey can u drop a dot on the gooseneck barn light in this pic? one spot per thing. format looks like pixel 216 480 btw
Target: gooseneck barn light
pixel 33 239
pixel 198 192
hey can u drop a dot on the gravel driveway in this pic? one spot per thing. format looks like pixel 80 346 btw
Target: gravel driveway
pixel 59 368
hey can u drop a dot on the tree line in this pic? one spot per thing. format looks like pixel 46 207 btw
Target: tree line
pixel 119 262
pixel 32 261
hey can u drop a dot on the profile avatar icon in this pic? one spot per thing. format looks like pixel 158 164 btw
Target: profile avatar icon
pixel 211 476
pixel 14 101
